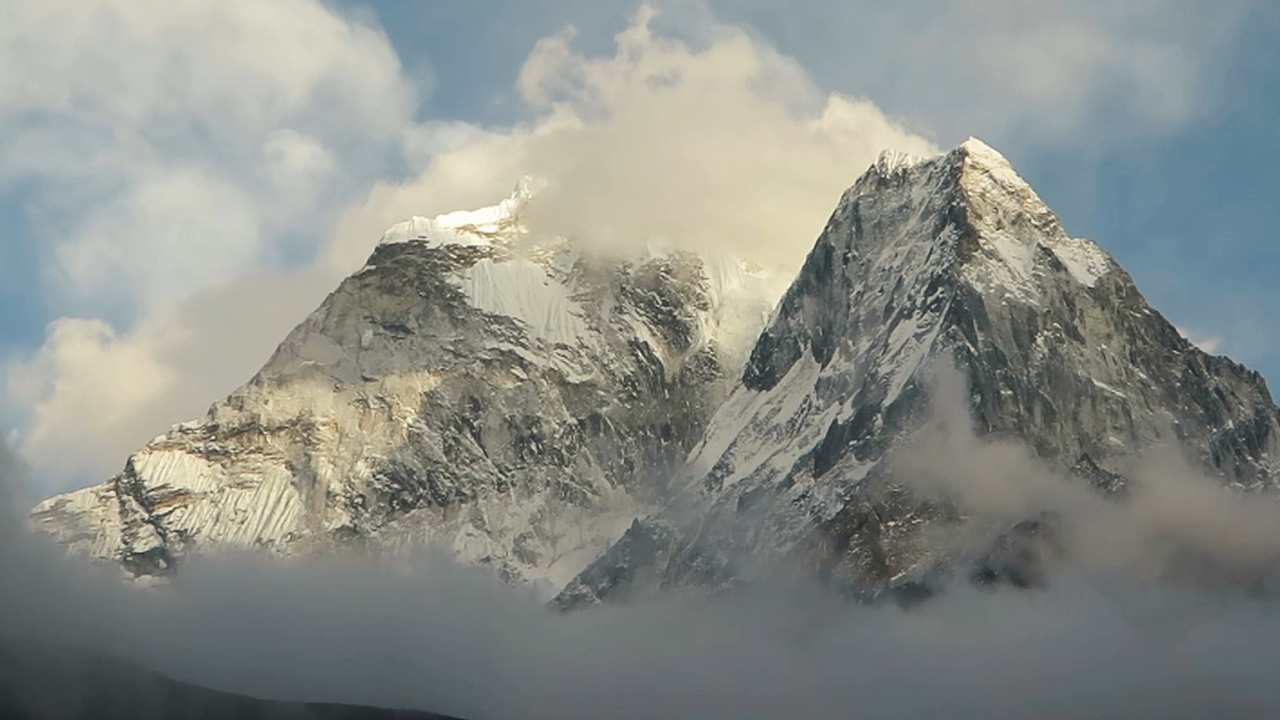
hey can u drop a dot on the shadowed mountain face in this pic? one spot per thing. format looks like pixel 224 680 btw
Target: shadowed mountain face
pixel 50 682
pixel 929 264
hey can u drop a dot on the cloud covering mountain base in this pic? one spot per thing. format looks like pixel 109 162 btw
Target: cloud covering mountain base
pixel 1110 633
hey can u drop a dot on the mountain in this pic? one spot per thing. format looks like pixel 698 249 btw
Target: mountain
pixel 508 396
pixel 603 424
pixel 951 261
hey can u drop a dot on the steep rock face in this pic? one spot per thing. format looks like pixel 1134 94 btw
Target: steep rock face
pixel 472 386
pixel 946 261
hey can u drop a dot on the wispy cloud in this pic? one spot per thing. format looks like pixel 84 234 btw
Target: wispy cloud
pixel 729 147
pixel 1074 73
pixel 1207 343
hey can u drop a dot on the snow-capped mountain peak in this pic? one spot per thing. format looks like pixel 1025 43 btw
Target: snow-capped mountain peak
pixel 500 222
pixel 945 261
pixel 508 396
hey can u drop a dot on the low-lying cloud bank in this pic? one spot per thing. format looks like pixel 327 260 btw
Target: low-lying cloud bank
pixel 1170 524
pixel 1113 633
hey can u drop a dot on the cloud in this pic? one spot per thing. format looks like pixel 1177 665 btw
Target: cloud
pixel 1174 525
pixel 1058 73
pixel 72 407
pixel 729 149
pixel 744 129
pixel 165 147
pixel 422 632
pixel 718 142
pixel 94 394
pixel 726 148
pixel 1207 343
pixel 178 229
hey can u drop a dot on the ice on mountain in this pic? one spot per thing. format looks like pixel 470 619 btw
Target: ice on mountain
pixel 522 289
pixel 466 227
pixel 1084 259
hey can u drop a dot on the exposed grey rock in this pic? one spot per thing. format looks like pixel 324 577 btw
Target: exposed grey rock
pixel 502 395
pixel 948 261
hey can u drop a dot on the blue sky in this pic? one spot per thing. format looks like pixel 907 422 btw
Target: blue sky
pixel 179 186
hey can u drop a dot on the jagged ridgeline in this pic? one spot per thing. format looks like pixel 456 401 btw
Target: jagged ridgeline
pixel 529 406
pixel 951 261
pixel 472 386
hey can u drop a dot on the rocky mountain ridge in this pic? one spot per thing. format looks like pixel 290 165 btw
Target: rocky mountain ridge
pixel 473 386
pixel 951 261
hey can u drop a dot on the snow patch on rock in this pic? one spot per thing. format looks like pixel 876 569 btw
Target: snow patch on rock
pixel 1084 259
pixel 522 289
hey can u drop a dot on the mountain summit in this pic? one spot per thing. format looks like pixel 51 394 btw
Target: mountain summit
pixel 508 396
pixel 951 261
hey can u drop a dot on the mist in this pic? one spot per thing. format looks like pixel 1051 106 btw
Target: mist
pixel 1173 524
pixel 1118 629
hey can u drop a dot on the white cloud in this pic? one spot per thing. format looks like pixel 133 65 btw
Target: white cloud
pixel 294 160
pixel 93 394
pixel 85 383
pixel 171 232
pixel 728 147
pixel 178 152
pixel 1207 343
pixel 168 146
pixel 1053 72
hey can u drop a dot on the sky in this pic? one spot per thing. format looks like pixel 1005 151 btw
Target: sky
pixel 179 186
